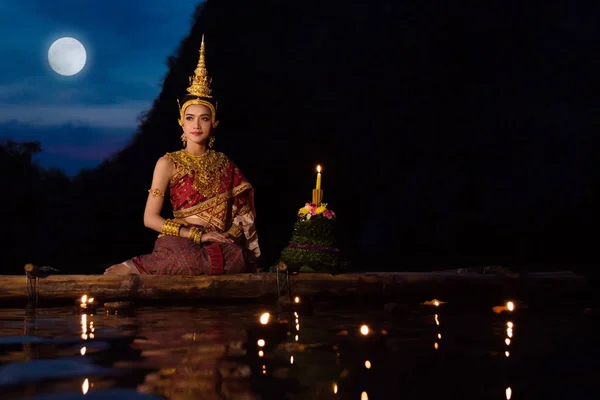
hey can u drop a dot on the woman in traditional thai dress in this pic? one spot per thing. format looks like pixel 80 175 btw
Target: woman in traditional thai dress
pixel 213 230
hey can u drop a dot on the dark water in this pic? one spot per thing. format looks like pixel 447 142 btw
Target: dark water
pixel 409 352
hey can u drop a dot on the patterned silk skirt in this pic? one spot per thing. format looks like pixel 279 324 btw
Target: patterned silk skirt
pixel 180 256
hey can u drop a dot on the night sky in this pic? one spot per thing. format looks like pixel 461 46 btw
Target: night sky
pixel 82 119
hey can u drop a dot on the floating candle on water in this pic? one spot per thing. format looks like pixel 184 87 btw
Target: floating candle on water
pixel 364 329
pixel 264 318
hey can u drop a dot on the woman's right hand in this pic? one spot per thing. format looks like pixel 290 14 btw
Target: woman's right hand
pixel 215 237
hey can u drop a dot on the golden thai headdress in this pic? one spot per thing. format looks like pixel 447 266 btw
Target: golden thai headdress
pixel 200 87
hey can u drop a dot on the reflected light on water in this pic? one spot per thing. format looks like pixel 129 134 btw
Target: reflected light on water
pixel 335 388
pixel 261 343
pixel 291 359
pixel 296 299
pixel 296 338
pixel 507 353
pixel 368 364
pixel 439 335
pixel 83 350
pixel 261 353
pixel 437 320
pixel 509 324
pixel 436 345
pixel 364 329
pixel 510 306
pixel 84 329
pixel 508 393
pixel 85 386
pixel 507 341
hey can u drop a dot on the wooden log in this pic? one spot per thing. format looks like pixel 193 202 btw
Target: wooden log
pixel 420 285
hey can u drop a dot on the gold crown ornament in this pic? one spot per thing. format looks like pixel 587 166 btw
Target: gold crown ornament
pixel 200 87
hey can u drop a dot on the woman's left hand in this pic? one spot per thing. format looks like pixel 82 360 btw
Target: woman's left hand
pixel 215 237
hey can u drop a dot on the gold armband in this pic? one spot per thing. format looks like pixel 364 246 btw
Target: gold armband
pixel 156 193
pixel 171 227
pixel 195 235
pixel 234 231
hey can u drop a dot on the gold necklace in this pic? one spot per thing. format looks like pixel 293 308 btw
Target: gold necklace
pixel 207 169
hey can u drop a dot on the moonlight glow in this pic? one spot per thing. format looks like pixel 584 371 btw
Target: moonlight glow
pixel 67 56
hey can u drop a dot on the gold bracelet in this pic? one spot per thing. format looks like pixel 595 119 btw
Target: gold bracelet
pixel 156 193
pixel 171 227
pixel 195 235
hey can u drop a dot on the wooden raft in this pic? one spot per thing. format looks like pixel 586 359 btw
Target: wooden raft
pixel 386 285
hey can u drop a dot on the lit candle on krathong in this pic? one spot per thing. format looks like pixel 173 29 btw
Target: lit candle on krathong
pixel 317 193
pixel 318 177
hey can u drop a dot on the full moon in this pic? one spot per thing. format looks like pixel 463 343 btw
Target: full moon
pixel 67 56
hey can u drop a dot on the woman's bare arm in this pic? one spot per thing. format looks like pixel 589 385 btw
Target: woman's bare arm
pixel 163 171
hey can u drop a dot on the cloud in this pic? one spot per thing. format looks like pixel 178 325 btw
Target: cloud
pixel 70 147
pixel 122 115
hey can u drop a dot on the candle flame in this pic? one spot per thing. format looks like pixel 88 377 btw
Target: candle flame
pixel 335 388
pixel 84 298
pixel 90 300
pixel 264 318
pixel 318 168
pixel 291 359
pixel 510 305
pixel 364 396
pixel 367 364
pixel 364 329
pixel 508 393
pixel 296 299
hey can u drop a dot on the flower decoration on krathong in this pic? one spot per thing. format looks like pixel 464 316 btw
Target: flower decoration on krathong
pixel 312 210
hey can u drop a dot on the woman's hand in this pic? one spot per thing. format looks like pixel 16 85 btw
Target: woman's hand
pixel 215 237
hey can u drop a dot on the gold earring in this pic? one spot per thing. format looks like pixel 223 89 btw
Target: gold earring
pixel 211 142
pixel 184 139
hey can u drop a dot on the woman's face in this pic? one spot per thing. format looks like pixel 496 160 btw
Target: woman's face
pixel 197 124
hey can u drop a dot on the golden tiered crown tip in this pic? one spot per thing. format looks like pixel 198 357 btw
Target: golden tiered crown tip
pixel 200 82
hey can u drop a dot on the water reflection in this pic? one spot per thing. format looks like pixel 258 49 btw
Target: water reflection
pixel 247 352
